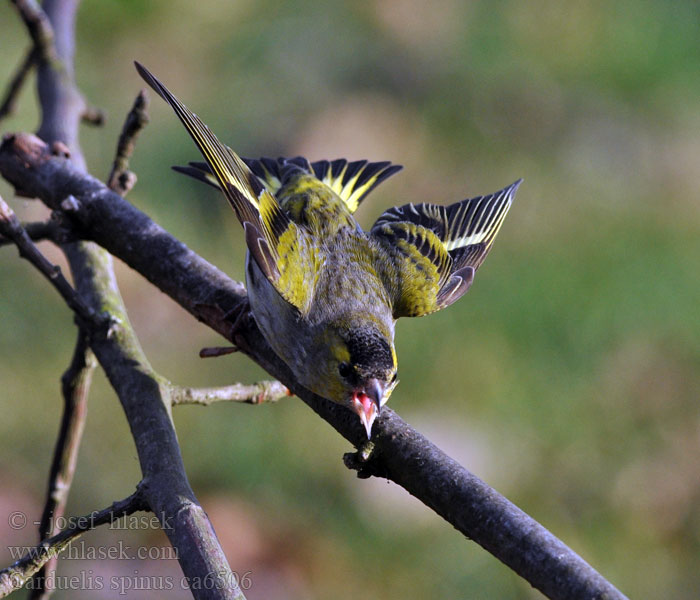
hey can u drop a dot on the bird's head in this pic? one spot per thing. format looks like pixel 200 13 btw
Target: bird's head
pixel 360 369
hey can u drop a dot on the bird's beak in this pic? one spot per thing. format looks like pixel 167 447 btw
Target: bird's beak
pixel 367 403
pixel 375 390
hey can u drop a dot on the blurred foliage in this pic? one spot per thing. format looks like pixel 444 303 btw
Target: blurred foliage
pixel 569 375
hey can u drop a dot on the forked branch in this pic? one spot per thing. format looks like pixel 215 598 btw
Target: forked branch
pixel 16 575
pixel 400 453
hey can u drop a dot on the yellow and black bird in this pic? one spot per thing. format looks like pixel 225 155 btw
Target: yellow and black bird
pixel 325 293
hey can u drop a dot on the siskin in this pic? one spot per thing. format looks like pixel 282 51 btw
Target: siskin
pixel 325 293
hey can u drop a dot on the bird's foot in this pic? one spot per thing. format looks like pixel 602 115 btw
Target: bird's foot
pixel 360 460
pixel 237 319
pixel 364 452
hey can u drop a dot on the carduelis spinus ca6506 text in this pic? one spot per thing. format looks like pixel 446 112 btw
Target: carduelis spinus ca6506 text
pixel 325 293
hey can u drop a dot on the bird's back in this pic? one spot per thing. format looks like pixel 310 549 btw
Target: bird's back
pixel 348 277
pixel 314 206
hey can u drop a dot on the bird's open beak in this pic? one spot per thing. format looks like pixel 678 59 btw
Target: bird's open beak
pixel 367 403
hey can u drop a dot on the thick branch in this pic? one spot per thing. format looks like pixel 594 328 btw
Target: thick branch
pixel 401 454
pixel 62 105
pixel 15 576
pixel 144 399
pixel 123 230
pixel 146 404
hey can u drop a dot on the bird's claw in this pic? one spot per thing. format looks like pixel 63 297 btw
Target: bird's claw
pixel 364 452
pixel 360 460
pixel 237 318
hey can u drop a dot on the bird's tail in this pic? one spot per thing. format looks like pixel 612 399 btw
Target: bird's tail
pixel 352 181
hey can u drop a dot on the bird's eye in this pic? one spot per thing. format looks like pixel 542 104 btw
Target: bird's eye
pixel 344 369
pixel 394 377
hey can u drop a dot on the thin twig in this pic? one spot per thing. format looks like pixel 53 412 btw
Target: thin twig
pixel 121 180
pixel 217 351
pixel 37 231
pixel 9 103
pixel 75 385
pixel 11 228
pixel 257 393
pixel 94 116
pixel 16 575
pixel 39 28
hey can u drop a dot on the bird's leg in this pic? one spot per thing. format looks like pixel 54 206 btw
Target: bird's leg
pixel 238 316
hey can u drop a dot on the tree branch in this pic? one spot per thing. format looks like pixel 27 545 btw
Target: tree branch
pixel 257 393
pixel 40 30
pixel 16 575
pixel 75 386
pixel 143 395
pixel 37 231
pixel 94 116
pixel 12 229
pixel 9 103
pixel 62 105
pixel 401 453
pixel 144 398
pixel 120 179
pixel 75 389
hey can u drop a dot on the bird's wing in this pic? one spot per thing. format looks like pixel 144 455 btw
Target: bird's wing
pixel 283 252
pixel 268 170
pixel 437 249
pixel 352 181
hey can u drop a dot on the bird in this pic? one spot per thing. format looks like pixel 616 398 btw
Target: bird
pixel 325 293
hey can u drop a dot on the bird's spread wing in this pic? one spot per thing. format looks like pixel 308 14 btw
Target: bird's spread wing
pixel 437 249
pixel 270 171
pixel 281 250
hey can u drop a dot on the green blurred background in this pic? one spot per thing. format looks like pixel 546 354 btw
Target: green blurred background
pixel 569 376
